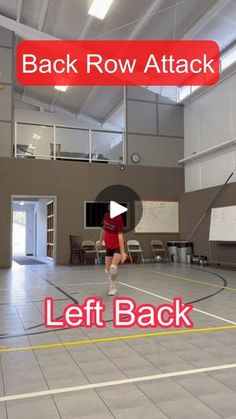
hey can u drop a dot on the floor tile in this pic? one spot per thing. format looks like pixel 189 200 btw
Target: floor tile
pixel 34 408
pixel 222 403
pixel 188 409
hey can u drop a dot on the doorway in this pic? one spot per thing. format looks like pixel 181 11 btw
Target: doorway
pixel 33 229
pixel 19 233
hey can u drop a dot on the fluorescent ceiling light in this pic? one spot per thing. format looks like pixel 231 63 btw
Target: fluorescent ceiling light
pixel 99 8
pixel 228 58
pixel 184 92
pixel 61 88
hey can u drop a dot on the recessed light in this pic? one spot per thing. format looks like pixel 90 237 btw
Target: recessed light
pixel 21 203
pixel 61 88
pixel 99 8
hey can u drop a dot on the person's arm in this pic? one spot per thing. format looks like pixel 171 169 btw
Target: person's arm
pixel 122 247
pixel 101 238
pixel 102 235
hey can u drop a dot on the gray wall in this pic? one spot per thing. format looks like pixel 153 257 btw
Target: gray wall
pixel 73 183
pixel 192 206
pixel 154 128
pixel 6 95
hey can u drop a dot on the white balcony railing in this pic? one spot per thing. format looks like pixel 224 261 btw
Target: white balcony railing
pixel 57 142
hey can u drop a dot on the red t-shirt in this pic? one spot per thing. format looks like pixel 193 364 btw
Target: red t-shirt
pixel 112 226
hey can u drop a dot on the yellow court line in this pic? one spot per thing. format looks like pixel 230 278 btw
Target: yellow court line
pixel 183 278
pixel 116 338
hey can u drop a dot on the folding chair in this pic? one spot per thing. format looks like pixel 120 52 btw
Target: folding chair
pixel 89 251
pixel 135 250
pixel 101 252
pixel 75 248
pixel 57 149
pixel 158 248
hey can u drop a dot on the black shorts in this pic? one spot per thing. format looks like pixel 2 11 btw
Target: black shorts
pixel 110 252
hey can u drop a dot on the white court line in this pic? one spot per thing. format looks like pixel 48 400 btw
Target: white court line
pixel 168 299
pixel 61 285
pixel 115 383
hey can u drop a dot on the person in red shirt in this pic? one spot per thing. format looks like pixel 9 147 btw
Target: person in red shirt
pixel 112 236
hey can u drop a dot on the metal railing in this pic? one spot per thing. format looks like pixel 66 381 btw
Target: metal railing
pixel 59 142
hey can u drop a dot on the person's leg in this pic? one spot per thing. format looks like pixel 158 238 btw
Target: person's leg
pixel 108 260
pixel 113 271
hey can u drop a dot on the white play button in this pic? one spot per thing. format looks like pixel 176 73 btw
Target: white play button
pixel 116 209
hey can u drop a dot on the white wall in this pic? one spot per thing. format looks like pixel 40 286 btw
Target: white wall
pixel 29 229
pixel 41 245
pixel 209 121
pixel 29 226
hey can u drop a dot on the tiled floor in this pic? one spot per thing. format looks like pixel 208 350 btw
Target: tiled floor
pixel 204 395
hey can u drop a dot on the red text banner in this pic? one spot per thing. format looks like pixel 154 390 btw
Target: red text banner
pixel 114 63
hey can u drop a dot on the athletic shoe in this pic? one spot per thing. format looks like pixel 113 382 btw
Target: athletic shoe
pixel 112 292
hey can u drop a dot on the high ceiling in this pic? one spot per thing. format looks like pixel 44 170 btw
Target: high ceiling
pixel 127 19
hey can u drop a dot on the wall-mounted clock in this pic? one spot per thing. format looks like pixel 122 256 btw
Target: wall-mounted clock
pixel 135 158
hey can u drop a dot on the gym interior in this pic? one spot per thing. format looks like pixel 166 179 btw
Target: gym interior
pixel 168 149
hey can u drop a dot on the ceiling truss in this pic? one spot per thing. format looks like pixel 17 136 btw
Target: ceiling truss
pixel 27 32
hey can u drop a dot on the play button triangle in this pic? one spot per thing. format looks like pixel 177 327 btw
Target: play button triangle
pixel 116 209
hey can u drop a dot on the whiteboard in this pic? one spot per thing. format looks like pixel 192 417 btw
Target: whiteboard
pixel 223 224
pixel 157 217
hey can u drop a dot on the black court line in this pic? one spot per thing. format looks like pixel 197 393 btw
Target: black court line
pixel 225 285
pixel 10 303
pixel 70 297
